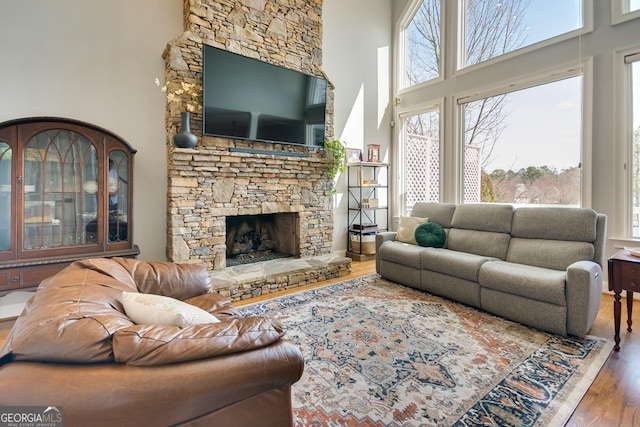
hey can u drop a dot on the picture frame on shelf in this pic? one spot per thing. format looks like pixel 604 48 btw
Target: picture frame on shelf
pixel 373 153
pixel 354 155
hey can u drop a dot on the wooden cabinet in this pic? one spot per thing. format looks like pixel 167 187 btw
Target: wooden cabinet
pixel 367 188
pixel 65 194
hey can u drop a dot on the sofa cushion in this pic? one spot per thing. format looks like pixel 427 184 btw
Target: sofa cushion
pixel 440 213
pixel 431 234
pixel 555 223
pixel 149 309
pixel 146 345
pixel 401 253
pixel 553 254
pixel 407 228
pixel 180 281
pixel 72 316
pixel 483 243
pixel 536 283
pixel 457 264
pixel 483 217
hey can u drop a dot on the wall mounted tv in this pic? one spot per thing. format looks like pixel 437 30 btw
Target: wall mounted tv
pixel 244 98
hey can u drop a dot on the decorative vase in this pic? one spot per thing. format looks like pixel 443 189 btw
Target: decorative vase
pixel 184 138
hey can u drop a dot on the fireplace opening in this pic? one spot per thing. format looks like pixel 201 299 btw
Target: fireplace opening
pixel 255 238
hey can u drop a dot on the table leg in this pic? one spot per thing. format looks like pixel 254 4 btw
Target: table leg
pixel 629 309
pixel 616 320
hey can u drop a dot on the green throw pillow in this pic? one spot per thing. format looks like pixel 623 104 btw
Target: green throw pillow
pixel 431 234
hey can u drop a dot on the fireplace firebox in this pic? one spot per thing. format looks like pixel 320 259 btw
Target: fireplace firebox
pixel 254 238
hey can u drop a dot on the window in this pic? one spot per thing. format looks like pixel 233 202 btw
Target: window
pixel 421 160
pixel 422 44
pixel 496 27
pixel 624 10
pixel 633 62
pixel 524 147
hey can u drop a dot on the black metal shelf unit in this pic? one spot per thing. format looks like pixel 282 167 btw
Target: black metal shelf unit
pixel 368 207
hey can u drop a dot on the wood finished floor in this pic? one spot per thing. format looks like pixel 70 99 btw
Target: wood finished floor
pixel 614 397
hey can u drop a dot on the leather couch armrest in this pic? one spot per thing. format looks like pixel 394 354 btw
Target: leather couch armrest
pixel 103 395
pixel 147 345
pixel 216 304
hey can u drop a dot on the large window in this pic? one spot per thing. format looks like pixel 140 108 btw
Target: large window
pixel 421 159
pixel 422 44
pixel 496 27
pixel 524 147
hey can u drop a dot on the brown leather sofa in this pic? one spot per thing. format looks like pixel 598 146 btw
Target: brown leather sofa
pixel 73 347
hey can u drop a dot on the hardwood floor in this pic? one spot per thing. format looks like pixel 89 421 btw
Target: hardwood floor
pixel 614 397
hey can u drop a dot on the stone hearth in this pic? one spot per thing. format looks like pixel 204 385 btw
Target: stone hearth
pixel 252 280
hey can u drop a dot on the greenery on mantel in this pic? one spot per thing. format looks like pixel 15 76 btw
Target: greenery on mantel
pixel 335 151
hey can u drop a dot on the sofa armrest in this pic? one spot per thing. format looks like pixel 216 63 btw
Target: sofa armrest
pixel 148 345
pixel 383 236
pixel 583 293
pixel 110 394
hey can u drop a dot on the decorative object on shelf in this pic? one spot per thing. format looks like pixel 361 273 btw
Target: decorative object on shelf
pixel 90 187
pixel 373 153
pixel 184 138
pixel 335 153
pixel 354 155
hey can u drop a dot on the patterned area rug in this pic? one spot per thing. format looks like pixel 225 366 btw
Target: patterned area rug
pixel 380 354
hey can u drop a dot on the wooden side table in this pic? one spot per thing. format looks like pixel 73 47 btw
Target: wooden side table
pixel 624 275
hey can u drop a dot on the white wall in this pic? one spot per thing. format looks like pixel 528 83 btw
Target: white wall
pixel 357 58
pixel 96 61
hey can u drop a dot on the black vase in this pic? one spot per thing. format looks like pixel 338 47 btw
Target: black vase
pixel 184 138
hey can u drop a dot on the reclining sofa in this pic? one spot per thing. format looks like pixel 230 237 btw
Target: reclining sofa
pixel 540 266
pixel 74 348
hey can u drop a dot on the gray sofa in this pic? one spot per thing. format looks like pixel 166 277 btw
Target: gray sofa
pixel 540 266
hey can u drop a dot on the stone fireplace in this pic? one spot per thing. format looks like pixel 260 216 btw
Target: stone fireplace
pixel 221 179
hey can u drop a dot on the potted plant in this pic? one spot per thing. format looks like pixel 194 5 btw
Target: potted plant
pixel 335 152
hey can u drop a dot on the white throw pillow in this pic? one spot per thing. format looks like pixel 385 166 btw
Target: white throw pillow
pixel 149 309
pixel 407 228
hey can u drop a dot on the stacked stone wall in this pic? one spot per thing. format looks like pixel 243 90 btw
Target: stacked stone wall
pixel 213 181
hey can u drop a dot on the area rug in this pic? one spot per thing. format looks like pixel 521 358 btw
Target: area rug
pixel 380 354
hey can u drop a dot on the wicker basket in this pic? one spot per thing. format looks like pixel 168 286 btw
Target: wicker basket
pixel 368 243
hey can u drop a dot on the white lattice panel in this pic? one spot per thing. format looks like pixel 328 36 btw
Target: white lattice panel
pixel 422 169
pixel 472 174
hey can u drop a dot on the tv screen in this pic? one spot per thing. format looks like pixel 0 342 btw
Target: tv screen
pixel 245 98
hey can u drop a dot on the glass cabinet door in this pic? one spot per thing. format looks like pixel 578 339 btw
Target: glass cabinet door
pixel 6 185
pixel 60 190
pixel 118 189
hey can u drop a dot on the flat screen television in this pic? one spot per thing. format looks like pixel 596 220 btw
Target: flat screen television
pixel 245 98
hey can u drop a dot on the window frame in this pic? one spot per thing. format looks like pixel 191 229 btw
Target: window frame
pixel 584 70
pixel 620 12
pixel 622 136
pixel 436 105
pixel 401 44
pixel 587 27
